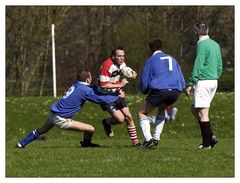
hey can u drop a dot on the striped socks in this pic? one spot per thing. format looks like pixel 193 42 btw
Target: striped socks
pixel 133 134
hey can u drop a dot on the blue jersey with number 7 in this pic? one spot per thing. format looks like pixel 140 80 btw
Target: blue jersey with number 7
pixel 161 71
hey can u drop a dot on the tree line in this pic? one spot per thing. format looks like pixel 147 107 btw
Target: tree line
pixel 85 36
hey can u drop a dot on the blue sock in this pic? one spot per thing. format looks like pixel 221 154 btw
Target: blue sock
pixel 29 138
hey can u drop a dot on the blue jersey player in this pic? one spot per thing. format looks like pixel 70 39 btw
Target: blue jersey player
pixel 64 109
pixel 163 81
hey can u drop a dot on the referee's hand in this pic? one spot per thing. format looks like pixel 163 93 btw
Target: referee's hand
pixel 188 91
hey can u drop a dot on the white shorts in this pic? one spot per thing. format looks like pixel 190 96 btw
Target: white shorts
pixel 204 92
pixel 63 123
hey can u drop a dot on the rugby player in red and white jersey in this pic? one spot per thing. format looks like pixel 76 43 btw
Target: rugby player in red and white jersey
pixel 109 81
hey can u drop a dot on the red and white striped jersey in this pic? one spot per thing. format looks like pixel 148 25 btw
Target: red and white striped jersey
pixel 109 73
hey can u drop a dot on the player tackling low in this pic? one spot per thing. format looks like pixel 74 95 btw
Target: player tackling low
pixel 62 111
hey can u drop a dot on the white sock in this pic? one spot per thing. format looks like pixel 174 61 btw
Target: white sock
pixel 174 112
pixel 167 117
pixel 151 119
pixel 146 128
pixel 160 120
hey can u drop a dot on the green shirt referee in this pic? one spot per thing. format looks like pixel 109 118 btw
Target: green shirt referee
pixel 203 82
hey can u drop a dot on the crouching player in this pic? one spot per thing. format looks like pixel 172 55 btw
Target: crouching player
pixel 64 109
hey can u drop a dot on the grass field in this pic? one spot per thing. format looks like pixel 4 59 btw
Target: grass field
pixel 176 156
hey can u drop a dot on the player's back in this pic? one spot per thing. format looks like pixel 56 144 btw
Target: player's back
pixel 165 73
pixel 72 101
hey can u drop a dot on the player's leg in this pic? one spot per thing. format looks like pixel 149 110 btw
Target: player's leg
pixel 195 113
pixel 128 117
pixel 159 122
pixel 116 118
pixel 168 112
pixel 35 134
pixel 165 100
pixel 87 129
pixel 174 113
pixel 203 95
pixel 204 126
pixel 143 111
pixel 131 128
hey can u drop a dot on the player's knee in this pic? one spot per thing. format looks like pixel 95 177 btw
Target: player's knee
pixel 90 129
pixel 42 130
pixel 121 119
pixel 128 118
pixel 141 114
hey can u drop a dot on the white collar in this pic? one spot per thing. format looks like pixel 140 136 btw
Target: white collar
pixel 202 38
pixel 84 83
pixel 158 51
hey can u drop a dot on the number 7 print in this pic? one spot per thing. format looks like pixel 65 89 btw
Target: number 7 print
pixel 170 65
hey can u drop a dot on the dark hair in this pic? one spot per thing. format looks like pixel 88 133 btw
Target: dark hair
pixel 201 28
pixel 113 53
pixel 83 75
pixel 155 44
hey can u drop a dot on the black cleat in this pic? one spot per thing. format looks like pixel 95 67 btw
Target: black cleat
pixel 137 145
pixel 213 141
pixel 155 142
pixel 148 144
pixel 204 147
pixel 88 144
pixel 107 128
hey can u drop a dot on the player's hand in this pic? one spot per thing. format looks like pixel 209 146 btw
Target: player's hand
pixel 122 93
pixel 134 75
pixel 188 91
pixel 124 82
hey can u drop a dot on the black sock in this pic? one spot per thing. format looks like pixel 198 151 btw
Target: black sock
pixel 87 141
pixel 206 133
pixel 210 130
pixel 87 137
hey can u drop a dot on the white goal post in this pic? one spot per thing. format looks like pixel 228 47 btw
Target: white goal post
pixel 54 63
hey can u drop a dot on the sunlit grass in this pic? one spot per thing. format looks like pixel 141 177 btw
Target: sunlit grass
pixel 176 156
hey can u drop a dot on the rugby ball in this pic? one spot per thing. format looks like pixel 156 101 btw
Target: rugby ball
pixel 127 72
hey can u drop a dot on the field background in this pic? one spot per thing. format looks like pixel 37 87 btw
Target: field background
pixel 176 156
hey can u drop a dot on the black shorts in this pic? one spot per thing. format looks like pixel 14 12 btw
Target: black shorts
pixel 158 97
pixel 112 107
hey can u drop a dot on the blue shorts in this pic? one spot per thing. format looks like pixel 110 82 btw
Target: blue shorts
pixel 158 97
pixel 117 105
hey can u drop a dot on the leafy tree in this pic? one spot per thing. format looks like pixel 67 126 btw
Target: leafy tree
pixel 85 36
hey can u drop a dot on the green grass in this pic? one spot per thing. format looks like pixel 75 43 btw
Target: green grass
pixel 61 156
